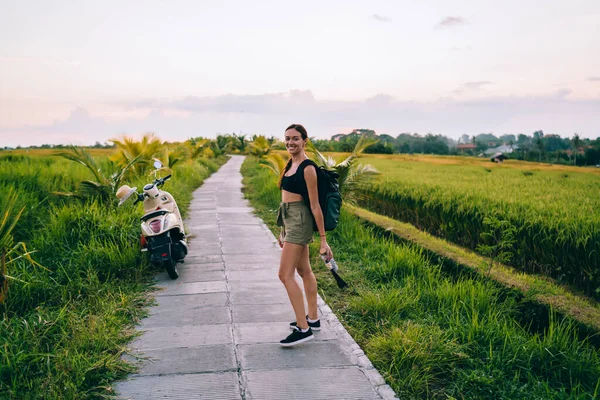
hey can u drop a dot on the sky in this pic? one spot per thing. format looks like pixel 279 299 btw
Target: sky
pixel 89 71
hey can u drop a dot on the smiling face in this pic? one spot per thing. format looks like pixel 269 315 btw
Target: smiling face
pixel 294 143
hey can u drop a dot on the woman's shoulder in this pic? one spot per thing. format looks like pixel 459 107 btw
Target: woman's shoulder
pixel 307 162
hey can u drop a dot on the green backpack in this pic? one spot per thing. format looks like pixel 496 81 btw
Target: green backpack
pixel 330 198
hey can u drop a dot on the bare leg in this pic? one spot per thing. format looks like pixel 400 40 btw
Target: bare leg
pixel 290 257
pixel 310 283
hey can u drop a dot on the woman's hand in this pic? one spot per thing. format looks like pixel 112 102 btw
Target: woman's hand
pixel 280 239
pixel 325 249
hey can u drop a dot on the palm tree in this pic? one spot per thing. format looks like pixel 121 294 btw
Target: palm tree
pixel 576 144
pixel 199 147
pixel 240 142
pixel 351 175
pixel 170 157
pixel 102 187
pixel 144 151
pixel 260 146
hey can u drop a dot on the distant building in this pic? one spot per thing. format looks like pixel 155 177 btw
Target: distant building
pixel 466 146
pixel 501 149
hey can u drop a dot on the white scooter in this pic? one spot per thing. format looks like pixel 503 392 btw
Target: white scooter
pixel 163 235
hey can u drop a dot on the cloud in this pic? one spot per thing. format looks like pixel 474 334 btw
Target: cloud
pixel 270 113
pixel 381 18
pixel 471 86
pixel 268 103
pixel 476 85
pixel 33 60
pixel 562 93
pixel 450 22
pixel 594 79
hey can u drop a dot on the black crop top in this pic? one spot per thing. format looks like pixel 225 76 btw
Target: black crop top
pixel 296 183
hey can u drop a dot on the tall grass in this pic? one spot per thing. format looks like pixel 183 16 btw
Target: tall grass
pixel 64 328
pixel 433 335
pixel 554 212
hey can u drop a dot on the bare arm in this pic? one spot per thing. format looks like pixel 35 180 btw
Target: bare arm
pixel 310 176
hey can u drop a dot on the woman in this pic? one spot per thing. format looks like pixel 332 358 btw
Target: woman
pixel 299 181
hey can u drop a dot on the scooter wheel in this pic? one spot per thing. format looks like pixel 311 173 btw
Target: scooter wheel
pixel 171 267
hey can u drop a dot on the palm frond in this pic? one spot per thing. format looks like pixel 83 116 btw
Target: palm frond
pixel 364 142
pixel 8 250
pixel 274 162
pixel 81 156
pixel 129 149
pixel 20 251
pixel 115 179
pixel 260 146
pixel 9 219
pixel 319 158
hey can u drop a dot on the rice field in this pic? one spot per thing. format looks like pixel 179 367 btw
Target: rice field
pixel 554 210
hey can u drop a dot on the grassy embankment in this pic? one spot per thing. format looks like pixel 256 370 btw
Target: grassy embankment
pixel 435 334
pixel 66 325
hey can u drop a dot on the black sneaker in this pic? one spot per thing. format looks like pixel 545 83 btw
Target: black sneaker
pixel 297 337
pixel 315 326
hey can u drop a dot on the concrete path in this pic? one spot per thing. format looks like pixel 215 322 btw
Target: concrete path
pixel 215 331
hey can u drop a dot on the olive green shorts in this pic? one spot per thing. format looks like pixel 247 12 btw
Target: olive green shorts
pixel 296 222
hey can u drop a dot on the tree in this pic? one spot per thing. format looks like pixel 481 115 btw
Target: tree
pixel 199 147
pixel 380 148
pixel 576 144
pixel 129 149
pixel 240 142
pixel 103 187
pixel 540 146
pixel 435 144
pixel 507 138
pixel 592 156
pixel 260 146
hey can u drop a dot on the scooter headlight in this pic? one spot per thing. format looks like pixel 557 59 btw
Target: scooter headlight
pixel 151 191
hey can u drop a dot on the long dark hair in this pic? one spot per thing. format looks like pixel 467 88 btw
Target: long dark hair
pixel 302 131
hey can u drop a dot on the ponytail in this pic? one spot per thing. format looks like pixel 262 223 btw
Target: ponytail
pixel 282 173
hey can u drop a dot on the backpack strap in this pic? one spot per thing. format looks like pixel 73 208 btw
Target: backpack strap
pixel 304 164
pixel 308 162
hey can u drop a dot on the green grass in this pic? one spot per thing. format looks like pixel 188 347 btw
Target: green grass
pixel 65 326
pixel 437 335
pixel 554 209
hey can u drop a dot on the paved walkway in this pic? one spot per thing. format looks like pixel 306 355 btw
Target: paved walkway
pixel 215 331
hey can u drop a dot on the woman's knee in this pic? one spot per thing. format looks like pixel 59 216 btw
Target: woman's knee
pixel 285 276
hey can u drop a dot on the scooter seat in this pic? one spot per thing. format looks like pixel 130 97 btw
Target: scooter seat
pixel 153 214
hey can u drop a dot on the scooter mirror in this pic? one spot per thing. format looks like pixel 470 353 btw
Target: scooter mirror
pixel 157 164
pixel 125 192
